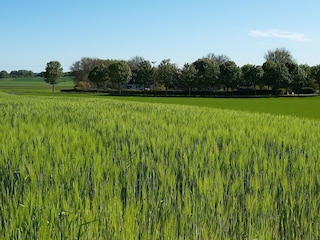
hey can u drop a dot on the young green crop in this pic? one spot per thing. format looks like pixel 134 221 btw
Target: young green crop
pixel 80 168
pixel 304 107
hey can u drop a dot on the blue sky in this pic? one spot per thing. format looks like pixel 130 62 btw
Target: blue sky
pixel 35 32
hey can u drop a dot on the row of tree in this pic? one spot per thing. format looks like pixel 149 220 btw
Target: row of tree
pixel 110 71
pixel 16 73
pixel 209 73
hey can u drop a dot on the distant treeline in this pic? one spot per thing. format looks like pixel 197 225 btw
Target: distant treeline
pixel 16 73
pixel 279 74
pixel 24 73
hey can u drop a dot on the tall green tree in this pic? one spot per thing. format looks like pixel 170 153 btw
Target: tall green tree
pixel 275 75
pixel 144 74
pixel 207 73
pixel 53 73
pixel 189 77
pixel 283 62
pixel 230 74
pixel 167 73
pixel 119 73
pixel 99 75
pixel 269 73
pixel 297 76
pixel 251 75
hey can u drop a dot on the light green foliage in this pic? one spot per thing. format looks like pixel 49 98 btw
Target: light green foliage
pixel 119 72
pixel 106 169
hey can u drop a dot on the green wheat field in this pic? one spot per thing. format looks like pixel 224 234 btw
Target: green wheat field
pixel 74 167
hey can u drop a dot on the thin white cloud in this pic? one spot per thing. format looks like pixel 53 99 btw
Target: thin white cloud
pixel 299 37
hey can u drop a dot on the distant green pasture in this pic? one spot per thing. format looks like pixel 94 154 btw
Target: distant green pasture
pixel 306 107
pixel 31 85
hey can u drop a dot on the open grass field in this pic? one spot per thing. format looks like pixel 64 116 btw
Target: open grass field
pixel 97 167
pixel 34 85
pixel 306 107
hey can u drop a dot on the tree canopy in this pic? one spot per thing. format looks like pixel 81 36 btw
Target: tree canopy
pixel 53 73
pixel 81 69
pixel 251 74
pixel 119 73
pixel 229 74
pixel 144 74
pixel 167 73
pixel 279 55
pixel 99 75
pixel 218 59
pixel 188 77
pixel 207 72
